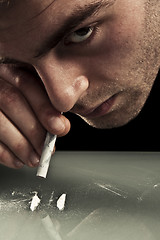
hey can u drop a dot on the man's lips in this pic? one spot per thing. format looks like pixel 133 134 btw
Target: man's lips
pixel 99 110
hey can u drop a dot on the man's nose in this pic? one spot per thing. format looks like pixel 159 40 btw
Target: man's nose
pixel 64 82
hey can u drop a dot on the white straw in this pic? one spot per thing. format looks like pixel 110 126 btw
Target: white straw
pixel 46 155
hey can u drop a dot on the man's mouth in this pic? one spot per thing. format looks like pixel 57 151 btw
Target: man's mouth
pixel 100 110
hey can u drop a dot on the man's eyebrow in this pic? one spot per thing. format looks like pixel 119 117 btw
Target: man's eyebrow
pixel 77 17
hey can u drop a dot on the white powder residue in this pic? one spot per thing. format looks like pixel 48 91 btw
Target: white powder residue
pixel 19 201
pixel 61 202
pixel 51 199
pixel 112 189
pixel 35 202
pixel 15 200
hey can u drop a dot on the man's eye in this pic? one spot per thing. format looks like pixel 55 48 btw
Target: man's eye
pixel 80 35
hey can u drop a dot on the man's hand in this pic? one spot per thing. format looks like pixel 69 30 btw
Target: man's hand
pixel 25 114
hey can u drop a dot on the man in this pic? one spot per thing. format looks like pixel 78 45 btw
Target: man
pixel 97 59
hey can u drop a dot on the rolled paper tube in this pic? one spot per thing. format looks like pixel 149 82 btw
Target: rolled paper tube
pixel 49 145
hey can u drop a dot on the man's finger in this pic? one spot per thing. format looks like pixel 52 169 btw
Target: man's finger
pixel 11 137
pixel 17 109
pixel 33 90
pixel 8 159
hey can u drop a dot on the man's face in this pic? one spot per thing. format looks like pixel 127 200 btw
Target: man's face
pixel 97 59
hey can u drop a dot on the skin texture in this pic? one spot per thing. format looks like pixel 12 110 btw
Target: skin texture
pixel 118 58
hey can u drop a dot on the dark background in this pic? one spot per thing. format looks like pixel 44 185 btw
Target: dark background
pixel 141 134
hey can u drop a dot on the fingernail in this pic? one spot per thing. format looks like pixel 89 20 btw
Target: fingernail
pixel 56 124
pixel 34 160
pixel 19 164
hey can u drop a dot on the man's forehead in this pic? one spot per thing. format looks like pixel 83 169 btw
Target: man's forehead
pixel 19 5
pixel 48 28
pixel 17 12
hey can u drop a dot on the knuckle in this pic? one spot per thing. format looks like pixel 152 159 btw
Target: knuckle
pixel 9 95
pixel 5 156
pixel 22 150
pixel 19 147
pixel 35 129
pixel 20 79
pixel 12 75
pixel 12 96
pixel 24 77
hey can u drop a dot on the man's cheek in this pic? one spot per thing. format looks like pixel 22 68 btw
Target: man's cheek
pixel 125 34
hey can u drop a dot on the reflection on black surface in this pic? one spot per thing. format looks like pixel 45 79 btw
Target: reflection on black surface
pixel 108 194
